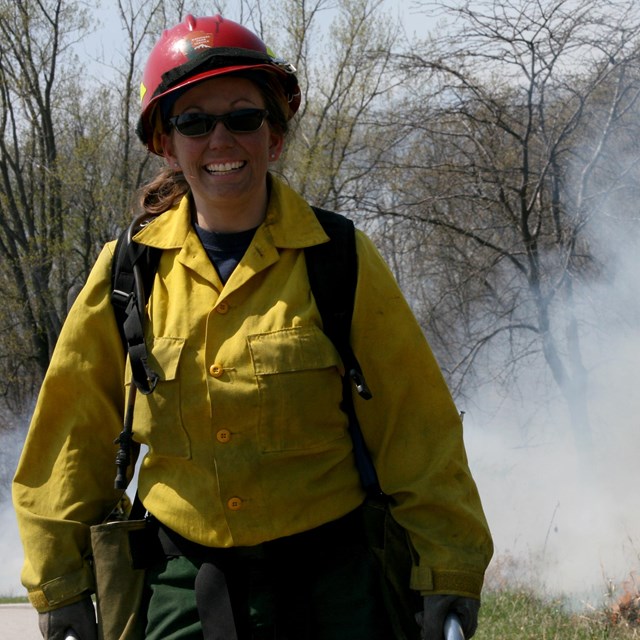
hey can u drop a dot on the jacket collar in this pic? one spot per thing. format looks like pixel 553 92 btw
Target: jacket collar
pixel 289 224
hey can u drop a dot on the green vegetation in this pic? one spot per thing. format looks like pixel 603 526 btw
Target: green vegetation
pixel 506 615
pixel 13 599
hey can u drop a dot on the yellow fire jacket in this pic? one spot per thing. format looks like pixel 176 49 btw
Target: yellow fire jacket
pixel 246 440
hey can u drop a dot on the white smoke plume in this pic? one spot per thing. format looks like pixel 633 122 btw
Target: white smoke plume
pixel 564 524
pixel 11 556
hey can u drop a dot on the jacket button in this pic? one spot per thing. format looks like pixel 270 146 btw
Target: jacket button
pixel 234 504
pixel 216 370
pixel 224 436
pixel 222 308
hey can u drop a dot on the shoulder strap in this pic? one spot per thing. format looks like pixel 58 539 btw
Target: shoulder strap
pixel 132 271
pixel 332 268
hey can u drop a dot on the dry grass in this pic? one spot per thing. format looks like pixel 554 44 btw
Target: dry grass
pixel 513 611
pixel 506 615
pixel 512 608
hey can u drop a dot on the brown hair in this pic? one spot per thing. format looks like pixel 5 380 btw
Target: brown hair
pixel 167 187
pixel 163 191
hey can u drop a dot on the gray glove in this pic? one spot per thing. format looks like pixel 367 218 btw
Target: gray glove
pixel 436 609
pixel 78 619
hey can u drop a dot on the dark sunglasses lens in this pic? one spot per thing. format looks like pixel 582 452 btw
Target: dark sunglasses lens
pixel 245 120
pixel 199 124
pixel 194 124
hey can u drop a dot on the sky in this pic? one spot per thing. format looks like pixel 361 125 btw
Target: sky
pixel 103 45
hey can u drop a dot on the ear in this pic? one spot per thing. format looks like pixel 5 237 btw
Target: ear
pixel 166 142
pixel 276 144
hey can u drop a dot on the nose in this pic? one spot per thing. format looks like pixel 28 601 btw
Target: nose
pixel 219 135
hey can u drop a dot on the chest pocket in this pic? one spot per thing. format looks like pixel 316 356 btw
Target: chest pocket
pixel 298 375
pixel 158 417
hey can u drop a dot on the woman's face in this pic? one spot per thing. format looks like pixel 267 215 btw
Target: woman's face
pixel 226 171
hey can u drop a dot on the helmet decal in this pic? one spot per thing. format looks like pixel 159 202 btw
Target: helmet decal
pixel 195 42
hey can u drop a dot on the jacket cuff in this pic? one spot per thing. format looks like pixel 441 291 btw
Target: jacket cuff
pixel 441 581
pixel 64 590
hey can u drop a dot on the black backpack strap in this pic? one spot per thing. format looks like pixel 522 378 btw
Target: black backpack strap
pixel 132 271
pixel 332 268
pixel 333 275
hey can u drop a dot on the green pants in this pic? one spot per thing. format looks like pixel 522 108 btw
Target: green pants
pixel 332 595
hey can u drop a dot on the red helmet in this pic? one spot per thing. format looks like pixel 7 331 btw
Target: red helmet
pixel 200 48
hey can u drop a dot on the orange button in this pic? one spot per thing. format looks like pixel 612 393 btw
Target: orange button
pixel 224 435
pixel 216 370
pixel 234 504
pixel 222 308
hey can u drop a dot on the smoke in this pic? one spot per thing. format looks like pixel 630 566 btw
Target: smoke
pixel 564 523
pixel 10 552
pixel 11 439
pixel 556 529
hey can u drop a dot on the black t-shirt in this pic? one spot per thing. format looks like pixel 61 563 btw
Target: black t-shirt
pixel 225 250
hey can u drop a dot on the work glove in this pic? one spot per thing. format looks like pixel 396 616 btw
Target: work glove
pixel 437 608
pixel 76 620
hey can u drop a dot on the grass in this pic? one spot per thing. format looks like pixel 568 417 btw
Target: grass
pixel 13 599
pixel 510 614
pixel 507 614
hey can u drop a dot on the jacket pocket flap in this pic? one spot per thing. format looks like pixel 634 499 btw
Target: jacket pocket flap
pixel 295 349
pixel 164 356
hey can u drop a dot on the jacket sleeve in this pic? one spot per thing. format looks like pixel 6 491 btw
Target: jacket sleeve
pixel 414 432
pixel 65 476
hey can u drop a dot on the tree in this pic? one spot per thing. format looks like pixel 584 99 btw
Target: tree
pixel 343 55
pixel 68 169
pixel 512 161
pixel 335 158
pixel 35 37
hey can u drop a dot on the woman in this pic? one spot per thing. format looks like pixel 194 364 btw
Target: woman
pixel 249 476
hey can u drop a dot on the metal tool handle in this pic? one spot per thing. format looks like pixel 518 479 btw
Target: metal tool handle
pixel 452 628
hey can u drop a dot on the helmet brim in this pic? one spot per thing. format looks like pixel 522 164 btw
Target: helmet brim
pixel 149 122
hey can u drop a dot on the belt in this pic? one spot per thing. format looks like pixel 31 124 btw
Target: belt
pixel 345 531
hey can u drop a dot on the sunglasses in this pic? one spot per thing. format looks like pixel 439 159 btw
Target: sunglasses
pixel 194 124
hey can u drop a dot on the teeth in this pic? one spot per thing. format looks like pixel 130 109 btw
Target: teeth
pixel 223 168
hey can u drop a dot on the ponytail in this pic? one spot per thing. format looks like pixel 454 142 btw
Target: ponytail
pixel 163 192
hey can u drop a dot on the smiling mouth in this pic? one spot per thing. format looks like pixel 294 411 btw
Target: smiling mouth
pixel 226 167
